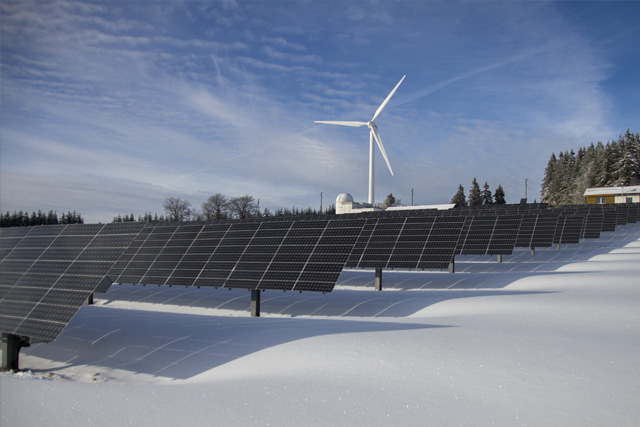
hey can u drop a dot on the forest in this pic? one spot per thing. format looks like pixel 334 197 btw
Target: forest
pixel 613 164
pixel 23 219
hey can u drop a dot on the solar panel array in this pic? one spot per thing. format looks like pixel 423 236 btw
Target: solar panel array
pixel 283 255
pixel 569 229
pixel 416 242
pixel 536 231
pixel 47 272
pixel 489 235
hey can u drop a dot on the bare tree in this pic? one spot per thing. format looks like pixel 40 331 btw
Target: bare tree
pixel 177 209
pixel 216 207
pixel 195 215
pixel 242 207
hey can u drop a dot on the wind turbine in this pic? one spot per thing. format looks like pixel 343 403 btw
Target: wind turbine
pixel 373 134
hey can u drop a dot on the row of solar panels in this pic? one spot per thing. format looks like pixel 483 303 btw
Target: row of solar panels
pixel 47 272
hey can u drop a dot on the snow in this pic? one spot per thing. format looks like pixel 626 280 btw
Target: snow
pixel 548 339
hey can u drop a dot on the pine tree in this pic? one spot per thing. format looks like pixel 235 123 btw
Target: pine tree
pixel 499 196
pixel 459 198
pixel 625 169
pixel 547 181
pixel 474 194
pixel 486 198
pixel 390 201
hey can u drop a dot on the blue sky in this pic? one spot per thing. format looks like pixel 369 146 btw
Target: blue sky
pixel 111 107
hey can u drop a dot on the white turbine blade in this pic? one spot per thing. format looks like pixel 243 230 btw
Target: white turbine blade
pixel 376 135
pixel 353 124
pixel 384 103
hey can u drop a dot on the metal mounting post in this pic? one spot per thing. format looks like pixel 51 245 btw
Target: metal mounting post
pixel 452 265
pixel 378 281
pixel 11 345
pixel 500 258
pixel 533 250
pixel 255 303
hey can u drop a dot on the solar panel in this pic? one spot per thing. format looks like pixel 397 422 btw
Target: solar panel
pixel 10 238
pixel 440 247
pixel 544 231
pixel 525 234
pixel 505 233
pixel 413 242
pixel 304 255
pixel 51 271
pixel 622 212
pixel 634 212
pixel 610 218
pixel 568 229
pixel 593 225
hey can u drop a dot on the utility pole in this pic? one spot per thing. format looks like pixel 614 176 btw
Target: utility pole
pixel 412 197
pixel 525 188
pixel 321 203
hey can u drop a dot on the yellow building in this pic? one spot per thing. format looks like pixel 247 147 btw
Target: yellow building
pixel 610 195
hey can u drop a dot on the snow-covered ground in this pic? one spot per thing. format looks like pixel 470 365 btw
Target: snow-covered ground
pixel 549 339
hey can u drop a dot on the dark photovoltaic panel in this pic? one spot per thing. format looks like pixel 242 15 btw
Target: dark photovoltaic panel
pixel 475 236
pixel 527 227
pixel 504 236
pixel 632 213
pixel 544 231
pixel 635 213
pixel 51 271
pixel 621 217
pixel 440 246
pixel 635 209
pixel 407 242
pixel 309 266
pixel 361 243
pixel 568 229
pixel 9 239
pixel 306 255
pixel 536 231
pixel 610 217
pixel 489 235
pixel 380 243
pixel 593 225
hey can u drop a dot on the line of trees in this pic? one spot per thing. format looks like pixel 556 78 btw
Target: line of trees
pixel 24 219
pixel 147 217
pixel 218 206
pixel 569 174
pixel 478 197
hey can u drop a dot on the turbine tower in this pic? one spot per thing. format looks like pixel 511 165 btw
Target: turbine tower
pixel 373 135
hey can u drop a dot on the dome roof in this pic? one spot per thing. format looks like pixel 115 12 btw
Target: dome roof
pixel 344 198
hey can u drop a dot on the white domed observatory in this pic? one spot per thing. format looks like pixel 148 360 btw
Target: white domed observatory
pixel 344 198
pixel 345 204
